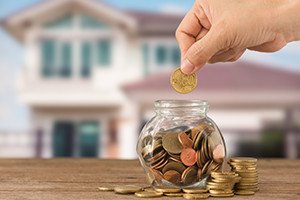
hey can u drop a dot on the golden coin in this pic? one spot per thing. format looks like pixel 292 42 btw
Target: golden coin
pixel 127 189
pixel 171 143
pixel 180 194
pixel 218 174
pixel 167 189
pixel 221 191
pixel 177 166
pixel 176 157
pixel 183 83
pixel 106 188
pixel 213 167
pixel 197 141
pixel 160 164
pixel 195 190
pixel 243 159
pixel 220 187
pixel 189 175
pixel 244 192
pixel 172 176
pixel 148 194
pixel 196 196
pixel 222 195
pixel 185 140
pixel 148 189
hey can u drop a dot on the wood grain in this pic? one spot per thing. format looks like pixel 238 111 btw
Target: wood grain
pixel 79 178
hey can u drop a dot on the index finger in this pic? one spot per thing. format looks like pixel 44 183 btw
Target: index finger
pixel 187 31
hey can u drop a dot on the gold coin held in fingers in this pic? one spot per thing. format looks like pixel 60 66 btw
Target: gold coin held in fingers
pixel 183 83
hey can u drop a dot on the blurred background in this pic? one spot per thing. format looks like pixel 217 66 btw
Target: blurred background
pixel 78 78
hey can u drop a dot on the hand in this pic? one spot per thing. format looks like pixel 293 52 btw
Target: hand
pixel 221 30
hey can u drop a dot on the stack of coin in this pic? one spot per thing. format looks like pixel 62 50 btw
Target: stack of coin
pixel 246 167
pixel 182 157
pixel 221 184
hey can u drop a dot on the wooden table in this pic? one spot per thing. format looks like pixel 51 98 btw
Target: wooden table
pixel 63 179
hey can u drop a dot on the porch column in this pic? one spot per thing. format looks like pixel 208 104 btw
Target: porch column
pixel 290 135
pixel 128 131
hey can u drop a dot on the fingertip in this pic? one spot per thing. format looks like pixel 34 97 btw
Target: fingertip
pixel 187 67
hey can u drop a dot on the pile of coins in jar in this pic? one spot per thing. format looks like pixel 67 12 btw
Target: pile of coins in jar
pixel 241 180
pixel 182 157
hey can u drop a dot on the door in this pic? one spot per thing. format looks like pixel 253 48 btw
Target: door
pixel 63 137
pixel 88 139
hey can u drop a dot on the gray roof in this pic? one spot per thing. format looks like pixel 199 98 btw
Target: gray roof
pixel 156 23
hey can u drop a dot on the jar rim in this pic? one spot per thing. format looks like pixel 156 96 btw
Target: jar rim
pixel 180 103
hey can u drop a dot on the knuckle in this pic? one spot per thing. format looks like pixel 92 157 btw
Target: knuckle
pixel 177 34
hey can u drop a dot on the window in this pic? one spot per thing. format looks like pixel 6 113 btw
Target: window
pixel 175 56
pixel 48 58
pixel 161 55
pixel 104 52
pixel 63 22
pixel 56 59
pixel 66 60
pixel 89 22
pixel 86 59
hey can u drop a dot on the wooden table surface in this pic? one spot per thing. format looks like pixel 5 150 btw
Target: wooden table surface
pixel 79 178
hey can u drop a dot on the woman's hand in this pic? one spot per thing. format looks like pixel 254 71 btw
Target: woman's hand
pixel 221 30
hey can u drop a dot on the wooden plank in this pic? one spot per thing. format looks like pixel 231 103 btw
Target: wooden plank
pixel 79 178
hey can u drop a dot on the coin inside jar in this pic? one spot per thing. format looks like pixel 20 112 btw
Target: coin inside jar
pixel 171 143
pixel 188 156
pixel 189 175
pixel 182 155
pixel 172 176
pixel 185 140
pixel 177 166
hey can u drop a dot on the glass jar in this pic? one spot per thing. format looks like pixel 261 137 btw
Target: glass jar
pixel 180 146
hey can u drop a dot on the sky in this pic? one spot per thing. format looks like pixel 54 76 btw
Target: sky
pixel 14 115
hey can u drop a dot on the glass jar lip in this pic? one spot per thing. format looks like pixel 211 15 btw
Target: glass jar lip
pixel 180 103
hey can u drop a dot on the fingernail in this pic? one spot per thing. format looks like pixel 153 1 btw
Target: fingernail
pixel 187 67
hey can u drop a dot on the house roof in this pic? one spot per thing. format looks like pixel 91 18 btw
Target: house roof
pixel 150 23
pixel 231 83
pixel 48 10
pixel 144 23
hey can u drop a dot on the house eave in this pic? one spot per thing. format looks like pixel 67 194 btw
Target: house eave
pixel 14 23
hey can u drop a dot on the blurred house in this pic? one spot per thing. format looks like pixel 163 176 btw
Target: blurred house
pixel 92 72
pixel 78 54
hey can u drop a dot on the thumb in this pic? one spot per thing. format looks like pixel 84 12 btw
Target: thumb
pixel 200 52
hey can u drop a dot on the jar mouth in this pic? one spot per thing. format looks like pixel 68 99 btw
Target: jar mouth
pixel 180 103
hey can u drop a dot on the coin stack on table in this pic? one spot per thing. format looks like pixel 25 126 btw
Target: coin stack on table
pixel 221 184
pixel 181 158
pixel 246 168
